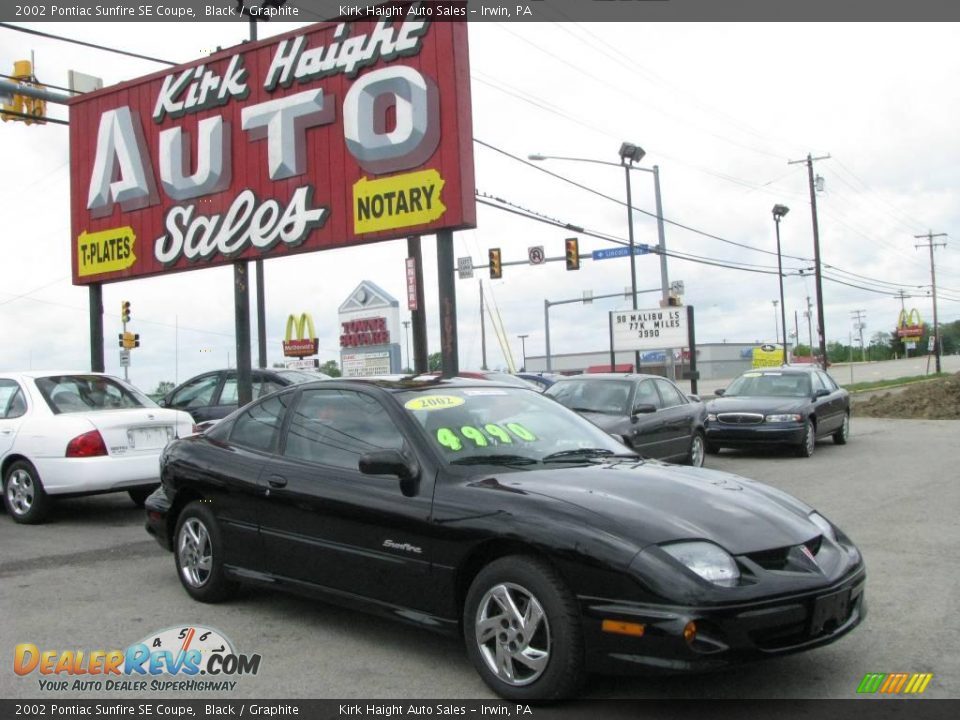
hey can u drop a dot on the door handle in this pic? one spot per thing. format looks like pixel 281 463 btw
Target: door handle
pixel 276 481
pixel 6 431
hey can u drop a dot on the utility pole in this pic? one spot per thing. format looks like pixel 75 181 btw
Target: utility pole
pixel 809 315
pixel 821 331
pixel 860 325
pixel 483 333
pixel 933 284
pixel 903 296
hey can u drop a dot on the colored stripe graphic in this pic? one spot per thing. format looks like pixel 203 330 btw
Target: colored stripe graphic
pixel 895 683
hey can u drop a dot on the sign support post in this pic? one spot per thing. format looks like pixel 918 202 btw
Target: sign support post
pixel 448 304
pixel 419 316
pixel 241 300
pixel 96 327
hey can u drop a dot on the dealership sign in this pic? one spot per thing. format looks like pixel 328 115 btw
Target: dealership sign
pixel 652 329
pixel 333 135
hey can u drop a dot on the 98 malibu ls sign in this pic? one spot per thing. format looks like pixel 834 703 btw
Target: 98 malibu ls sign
pixel 338 134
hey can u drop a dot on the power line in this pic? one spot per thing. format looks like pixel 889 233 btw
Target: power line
pixel 95 46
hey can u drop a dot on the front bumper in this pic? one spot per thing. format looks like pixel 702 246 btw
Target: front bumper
pixel 729 435
pixel 725 635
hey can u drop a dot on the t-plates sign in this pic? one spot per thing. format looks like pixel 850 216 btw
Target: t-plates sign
pixel 536 255
pixel 649 329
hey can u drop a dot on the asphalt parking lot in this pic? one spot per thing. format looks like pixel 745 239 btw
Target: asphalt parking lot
pixel 92 579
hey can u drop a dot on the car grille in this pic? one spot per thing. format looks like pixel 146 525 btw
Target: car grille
pixel 740 418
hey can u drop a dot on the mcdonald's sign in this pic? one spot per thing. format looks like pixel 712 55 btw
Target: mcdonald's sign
pixel 909 325
pixel 305 343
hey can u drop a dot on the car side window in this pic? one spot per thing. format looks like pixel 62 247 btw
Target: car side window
pixel 827 381
pixel 671 396
pixel 12 403
pixel 267 387
pixel 815 382
pixel 647 395
pixel 336 427
pixel 198 393
pixel 259 426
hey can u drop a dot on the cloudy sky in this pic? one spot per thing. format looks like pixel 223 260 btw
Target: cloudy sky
pixel 720 108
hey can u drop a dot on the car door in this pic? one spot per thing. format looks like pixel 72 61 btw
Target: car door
pixel 325 523
pixel 834 403
pixel 197 397
pixel 13 410
pixel 648 432
pixel 676 417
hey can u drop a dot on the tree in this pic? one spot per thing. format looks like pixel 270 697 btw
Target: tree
pixel 434 361
pixel 163 387
pixel 330 368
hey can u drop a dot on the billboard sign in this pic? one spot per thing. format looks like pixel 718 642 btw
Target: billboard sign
pixel 652 329
pixel 305 343
pixel 332 135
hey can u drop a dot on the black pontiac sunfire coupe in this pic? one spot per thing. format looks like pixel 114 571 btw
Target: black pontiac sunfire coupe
pixel 496 514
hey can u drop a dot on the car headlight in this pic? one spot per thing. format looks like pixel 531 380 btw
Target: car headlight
pixel 821 522
pixel 792 417
pixel 711 417
pixel 709 561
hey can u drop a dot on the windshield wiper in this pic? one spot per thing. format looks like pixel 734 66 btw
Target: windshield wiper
pixel 494 460
pixel 581 453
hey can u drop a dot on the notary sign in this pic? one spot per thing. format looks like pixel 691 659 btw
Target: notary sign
pixel 652 329
pixel 337 134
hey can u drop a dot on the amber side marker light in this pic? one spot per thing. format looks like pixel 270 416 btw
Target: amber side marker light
pixel 690 632
pixel 622 628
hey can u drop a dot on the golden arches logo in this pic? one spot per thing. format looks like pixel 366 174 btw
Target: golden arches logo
pixel 305 343
pixel 909 324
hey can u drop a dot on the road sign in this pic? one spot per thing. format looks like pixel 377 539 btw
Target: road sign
pixel 465 267
pixel 124 358
pixel 616 252
pixel 536 255
pixel 676 288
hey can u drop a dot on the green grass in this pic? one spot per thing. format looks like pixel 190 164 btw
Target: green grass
pixel 894 382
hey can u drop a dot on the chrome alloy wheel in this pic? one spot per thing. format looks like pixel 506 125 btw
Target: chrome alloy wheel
pixel 845 428
pixel 810 440
pixel 697 450
pixel 195 552
pixel 513 634
pixel 21 491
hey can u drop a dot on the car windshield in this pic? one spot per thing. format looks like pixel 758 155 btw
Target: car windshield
pixel 770 384
pixel 85 393
pixel 600 396
pixel 301 376
pixel 503 425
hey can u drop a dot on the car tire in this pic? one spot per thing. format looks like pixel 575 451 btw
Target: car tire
pixel 809 441
pixel 23 495
pixel 139 495
pixel 698 448
pixel 198 553
pixel 509 599
pixel 841 436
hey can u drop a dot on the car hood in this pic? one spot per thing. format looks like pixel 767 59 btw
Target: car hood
pixel 650 503
pixel 757 404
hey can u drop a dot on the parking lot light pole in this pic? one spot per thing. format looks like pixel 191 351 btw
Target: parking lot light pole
pixel 778 212
pixel 630 154
pixel 523 350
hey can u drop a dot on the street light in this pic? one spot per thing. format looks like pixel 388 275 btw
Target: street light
pixel 776 322
pixel 629 154
pixel 778 212
pixel 523 350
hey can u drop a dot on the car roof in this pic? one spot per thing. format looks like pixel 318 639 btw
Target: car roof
pixel 610 376
pixel 51 373
pixel 400 383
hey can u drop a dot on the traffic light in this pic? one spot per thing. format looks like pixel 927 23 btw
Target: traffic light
pixel 136 340
pixel 129 340
pixel 573 254
pixel 120 336
pixel 125 311
pixel 24 105
pixel 496 271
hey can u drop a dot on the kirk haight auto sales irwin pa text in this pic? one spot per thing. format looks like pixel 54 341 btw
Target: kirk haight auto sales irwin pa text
pixel 337 134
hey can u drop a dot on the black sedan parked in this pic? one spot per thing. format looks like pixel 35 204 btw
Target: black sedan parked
pixel 779 406
pixel 649 412
pixel 213 395
pixel 491 512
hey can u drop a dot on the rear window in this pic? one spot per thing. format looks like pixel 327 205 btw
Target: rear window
pixel 86 393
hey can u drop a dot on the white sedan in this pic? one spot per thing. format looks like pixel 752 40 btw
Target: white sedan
pixel 78 433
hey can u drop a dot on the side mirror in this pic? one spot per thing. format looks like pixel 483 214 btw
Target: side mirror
pixel 822 392
pixel 719 391
pixel 644 409
pixel 162 402
pixel 693 398
pixel 393 462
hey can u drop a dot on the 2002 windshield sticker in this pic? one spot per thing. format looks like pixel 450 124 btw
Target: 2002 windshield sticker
pixel 448 437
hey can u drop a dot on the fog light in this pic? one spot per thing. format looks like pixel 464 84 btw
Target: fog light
pixel 622 628
pixel 690 632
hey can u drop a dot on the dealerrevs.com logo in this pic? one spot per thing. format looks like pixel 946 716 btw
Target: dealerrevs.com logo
pixel 895 683
pixel 185 658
